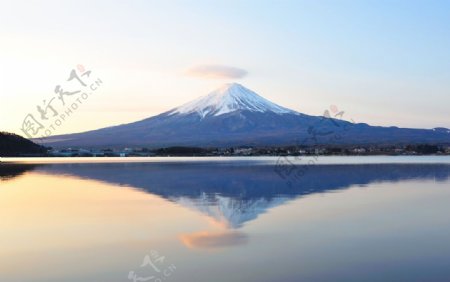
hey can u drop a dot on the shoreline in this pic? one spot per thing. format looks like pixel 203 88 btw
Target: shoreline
pixel 258 160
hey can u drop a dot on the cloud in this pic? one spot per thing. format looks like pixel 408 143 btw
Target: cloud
pixel 214 239
pixel 216 71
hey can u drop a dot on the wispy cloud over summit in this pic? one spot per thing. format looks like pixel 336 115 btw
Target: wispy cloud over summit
pixel 216 72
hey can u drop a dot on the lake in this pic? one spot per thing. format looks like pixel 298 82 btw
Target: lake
pixel 225 219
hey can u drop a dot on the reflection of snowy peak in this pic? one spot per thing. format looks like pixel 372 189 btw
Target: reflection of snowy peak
pixel 236 192
pixel 230 211
pixel 229 98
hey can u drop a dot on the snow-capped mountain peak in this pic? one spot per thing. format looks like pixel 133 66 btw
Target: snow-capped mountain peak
pixel 229 98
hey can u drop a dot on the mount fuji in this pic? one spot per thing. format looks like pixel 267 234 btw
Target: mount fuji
pixel 233 115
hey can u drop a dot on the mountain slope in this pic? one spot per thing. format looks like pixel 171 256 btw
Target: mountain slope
pixel 234 115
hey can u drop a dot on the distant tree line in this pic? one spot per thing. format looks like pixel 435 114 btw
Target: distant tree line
pixel 423 149
pixel 15 145
pixel 182 151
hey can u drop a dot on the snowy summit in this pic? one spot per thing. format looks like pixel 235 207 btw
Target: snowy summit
pixel 229 98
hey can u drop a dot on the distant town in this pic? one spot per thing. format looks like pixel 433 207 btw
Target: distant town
pixel 423 149
pixel 12 145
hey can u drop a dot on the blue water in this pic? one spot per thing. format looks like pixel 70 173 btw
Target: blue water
pixel 221 219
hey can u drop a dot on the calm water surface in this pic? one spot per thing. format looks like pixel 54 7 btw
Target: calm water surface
pixel 216 219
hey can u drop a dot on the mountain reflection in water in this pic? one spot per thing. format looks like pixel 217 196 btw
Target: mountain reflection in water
pixel 233 193
pixel 225 221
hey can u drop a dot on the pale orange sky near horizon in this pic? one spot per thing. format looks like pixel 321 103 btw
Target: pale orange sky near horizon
pixel 154 56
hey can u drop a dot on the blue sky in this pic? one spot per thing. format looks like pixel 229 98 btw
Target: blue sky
pixel 382 62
